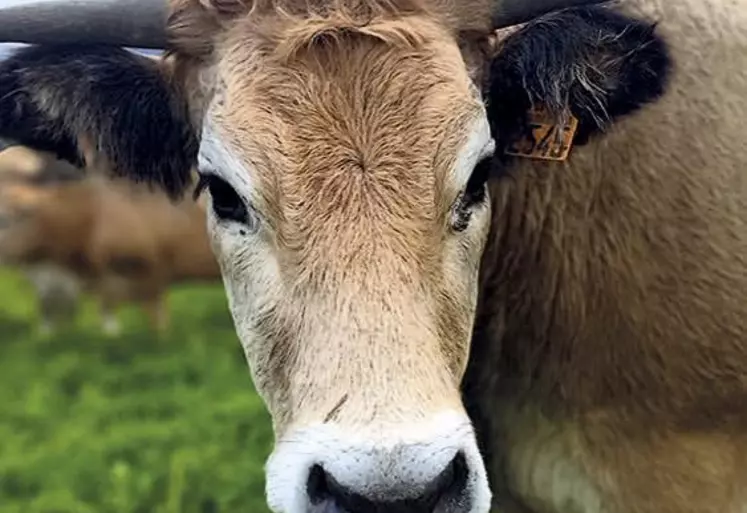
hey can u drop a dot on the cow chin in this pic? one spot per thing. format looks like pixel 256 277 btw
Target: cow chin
pixel 426 467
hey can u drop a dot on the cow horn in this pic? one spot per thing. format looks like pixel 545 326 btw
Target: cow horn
pixel 133 23
pixel 512 12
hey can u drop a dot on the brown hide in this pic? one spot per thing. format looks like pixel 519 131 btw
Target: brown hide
pixel 609 366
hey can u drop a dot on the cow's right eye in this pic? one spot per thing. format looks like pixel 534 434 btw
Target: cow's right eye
pixel 227 204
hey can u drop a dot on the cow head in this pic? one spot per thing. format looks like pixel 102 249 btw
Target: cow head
pixel 346 148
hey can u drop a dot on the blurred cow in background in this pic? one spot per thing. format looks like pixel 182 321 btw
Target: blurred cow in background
pixel 22 169
pixel 120 241
pixel 18 163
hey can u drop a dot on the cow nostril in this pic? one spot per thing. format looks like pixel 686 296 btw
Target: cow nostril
pixel 316 487
pixel 449 485
pixel 451 482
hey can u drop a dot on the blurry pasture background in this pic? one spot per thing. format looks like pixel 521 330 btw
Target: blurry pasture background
pixel 130 423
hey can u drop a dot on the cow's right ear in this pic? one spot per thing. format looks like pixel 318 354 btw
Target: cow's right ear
pixel 123 105
pixel 592 62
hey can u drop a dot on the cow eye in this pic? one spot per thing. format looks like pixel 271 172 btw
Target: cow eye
pixel 227 204
pixel 475 191
pixel 474 194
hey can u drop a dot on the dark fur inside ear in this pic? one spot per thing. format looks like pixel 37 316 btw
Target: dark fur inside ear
pixel 22 122
pixel 50 97
pixel 601 64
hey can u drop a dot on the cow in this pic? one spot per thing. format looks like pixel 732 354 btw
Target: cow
pixel 57 291
pixel 485 255
pixel 70 232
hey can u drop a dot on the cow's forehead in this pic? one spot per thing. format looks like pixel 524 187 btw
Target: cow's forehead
pixel 357 103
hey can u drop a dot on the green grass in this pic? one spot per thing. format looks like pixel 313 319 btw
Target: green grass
pixel 133 423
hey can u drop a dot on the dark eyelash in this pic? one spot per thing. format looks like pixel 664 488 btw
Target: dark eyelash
pixel 474 192
pixel 203 180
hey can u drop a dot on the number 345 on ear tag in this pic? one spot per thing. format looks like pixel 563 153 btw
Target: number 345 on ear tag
pixel 546 139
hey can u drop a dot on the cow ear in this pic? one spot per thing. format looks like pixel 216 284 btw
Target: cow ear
pixel 594 62
pixel 193 24
pixel 99 104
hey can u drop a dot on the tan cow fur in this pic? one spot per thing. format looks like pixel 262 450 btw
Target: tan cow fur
pixel 374 203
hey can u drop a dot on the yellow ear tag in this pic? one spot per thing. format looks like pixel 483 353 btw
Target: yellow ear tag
pixel 546 139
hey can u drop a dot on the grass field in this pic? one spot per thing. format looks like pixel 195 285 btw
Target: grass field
pixel 133 424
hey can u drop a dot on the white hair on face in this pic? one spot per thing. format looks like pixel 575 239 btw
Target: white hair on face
pixel 216 157
pixel 479 145
pixel 362 460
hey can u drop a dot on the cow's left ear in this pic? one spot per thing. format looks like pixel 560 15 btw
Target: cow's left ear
pixel 595 62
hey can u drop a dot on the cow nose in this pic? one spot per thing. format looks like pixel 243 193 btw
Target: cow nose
pixel 424 466
pixel 327 495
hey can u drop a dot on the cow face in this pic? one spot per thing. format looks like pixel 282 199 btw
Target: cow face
pixel 347 173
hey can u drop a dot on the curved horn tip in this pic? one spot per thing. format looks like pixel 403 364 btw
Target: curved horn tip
pixel 136 23
pixel 513 12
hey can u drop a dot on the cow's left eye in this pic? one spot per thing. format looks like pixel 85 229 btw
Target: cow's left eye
pixel 227 204
pixel 474 194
